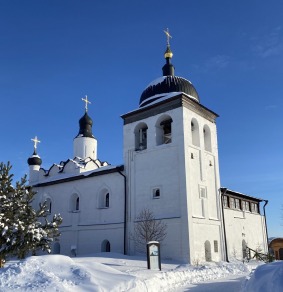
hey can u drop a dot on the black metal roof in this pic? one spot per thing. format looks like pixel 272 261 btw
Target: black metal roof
pixel 85 126
pixel 165 86
pixel 34 159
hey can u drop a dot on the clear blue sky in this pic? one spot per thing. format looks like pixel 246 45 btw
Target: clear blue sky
pixel 52 53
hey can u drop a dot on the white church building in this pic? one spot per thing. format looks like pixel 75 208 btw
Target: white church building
pixel 171 167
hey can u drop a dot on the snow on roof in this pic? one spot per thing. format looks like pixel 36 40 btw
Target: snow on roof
pixel 61 176
pixel 159 98
pixel 161 79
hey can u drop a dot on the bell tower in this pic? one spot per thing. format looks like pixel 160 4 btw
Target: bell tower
pixel 178 161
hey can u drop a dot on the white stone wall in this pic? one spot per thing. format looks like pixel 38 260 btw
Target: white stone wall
pixel 203 183
pixel 244 225
pixel 87 227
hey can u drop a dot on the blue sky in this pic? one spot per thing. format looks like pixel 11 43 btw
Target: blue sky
pixel 53 53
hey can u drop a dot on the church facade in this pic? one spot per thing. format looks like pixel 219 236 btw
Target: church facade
pixel 171 167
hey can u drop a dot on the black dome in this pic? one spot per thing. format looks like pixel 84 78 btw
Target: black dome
pixel 34 159
pixel 85 126
pixel 167 84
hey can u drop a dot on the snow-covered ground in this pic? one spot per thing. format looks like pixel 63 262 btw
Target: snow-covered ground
pixel 116 272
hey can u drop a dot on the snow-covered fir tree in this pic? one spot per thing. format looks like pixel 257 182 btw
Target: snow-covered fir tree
pixel 23 230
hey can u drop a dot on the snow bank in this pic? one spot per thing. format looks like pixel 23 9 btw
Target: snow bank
pixel 59 273
pixel 187 274
pixel 266 278
pixel 108 272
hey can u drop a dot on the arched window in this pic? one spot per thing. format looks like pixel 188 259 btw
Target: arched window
pixel 207 138
pixel 75 203
pixel 107 200
pixel 195 132
pixel 104 199
pixel 105 246
pixel 207 250
pixel 141 136
pixel 49 205
pixel 164 130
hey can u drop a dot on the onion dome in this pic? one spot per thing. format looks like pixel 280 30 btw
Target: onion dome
pixel 169 83
pixel 34 159
pixel 85 126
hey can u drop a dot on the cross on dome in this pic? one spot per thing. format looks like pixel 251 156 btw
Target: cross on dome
pixel 86 102
pixel 168 36
pixel 35 141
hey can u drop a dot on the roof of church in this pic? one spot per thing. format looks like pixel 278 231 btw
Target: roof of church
pixel 234 193
pixel 168 83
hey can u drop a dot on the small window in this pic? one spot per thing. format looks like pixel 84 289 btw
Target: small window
pixel 254 207
pixel 246 205
pixel 232 203
pixel 225 202
pixel 77 204
pixel 215 246
pixel 49 205
pixel 237 204
pixel 107 200
pixel 104 199
pixel 156 193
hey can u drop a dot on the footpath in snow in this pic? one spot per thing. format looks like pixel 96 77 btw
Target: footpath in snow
pixel 116 272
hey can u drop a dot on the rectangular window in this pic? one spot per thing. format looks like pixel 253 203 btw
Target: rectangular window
pixel 254 207
pixel 232 203
pixel 237 204
pixel 246 205
pixel 215 246
pixel 156 193
pixel 225 202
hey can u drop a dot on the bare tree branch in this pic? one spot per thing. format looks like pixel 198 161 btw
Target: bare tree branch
pixel 147 228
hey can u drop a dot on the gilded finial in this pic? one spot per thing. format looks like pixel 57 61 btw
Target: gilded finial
pixel 86 102
pixel 168 53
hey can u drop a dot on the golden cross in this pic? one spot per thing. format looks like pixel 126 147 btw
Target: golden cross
pixel 86 102
pixel 168 36
pixel 36 141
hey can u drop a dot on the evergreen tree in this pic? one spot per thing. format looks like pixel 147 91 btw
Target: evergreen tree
pixel 22 229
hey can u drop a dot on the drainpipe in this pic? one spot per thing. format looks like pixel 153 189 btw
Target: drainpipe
pixel 223 221
pixel 120 169
pixel 266 202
